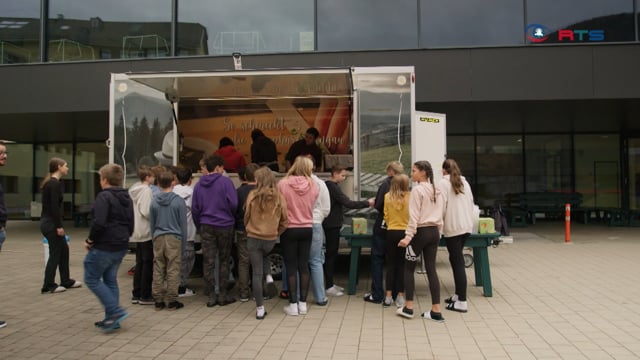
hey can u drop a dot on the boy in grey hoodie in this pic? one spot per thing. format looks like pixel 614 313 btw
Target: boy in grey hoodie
pixel 168 219
pixel 185 191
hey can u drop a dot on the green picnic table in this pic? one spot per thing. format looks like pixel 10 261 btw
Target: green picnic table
pixel 478 242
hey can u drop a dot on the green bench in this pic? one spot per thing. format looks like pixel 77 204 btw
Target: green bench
pixel 549 203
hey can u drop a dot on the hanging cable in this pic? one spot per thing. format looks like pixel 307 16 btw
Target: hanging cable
pixel 399 117
pixel 124 146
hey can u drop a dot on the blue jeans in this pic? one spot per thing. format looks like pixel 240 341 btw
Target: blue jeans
pixel 101 277
pixel 316 259
pixel 3 237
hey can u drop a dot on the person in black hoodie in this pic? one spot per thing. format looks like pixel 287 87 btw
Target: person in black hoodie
pixel 51 227
pixel 107 244
pixel 263 150
pixel 332 224
pixel 379 233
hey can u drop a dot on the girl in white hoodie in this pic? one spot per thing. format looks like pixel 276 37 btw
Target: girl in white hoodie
pixel 458 222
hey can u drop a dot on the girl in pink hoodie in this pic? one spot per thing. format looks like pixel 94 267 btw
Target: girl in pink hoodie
pixel 300 193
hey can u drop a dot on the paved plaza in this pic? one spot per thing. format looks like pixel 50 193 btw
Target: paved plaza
pixel 550 301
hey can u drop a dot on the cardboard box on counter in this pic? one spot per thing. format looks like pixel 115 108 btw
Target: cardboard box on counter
pixel 359 225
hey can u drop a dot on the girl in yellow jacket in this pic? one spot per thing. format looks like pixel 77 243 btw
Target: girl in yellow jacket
pixel 396 216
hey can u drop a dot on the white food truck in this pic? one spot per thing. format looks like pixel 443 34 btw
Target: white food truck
pixel 365 116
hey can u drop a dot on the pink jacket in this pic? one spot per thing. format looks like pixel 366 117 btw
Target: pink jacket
pixel 301 193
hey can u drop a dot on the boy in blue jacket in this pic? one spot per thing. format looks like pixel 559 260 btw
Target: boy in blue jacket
pixel 168 220
pixel 107 244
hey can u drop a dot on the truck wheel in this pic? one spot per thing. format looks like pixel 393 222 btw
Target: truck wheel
pixel 468 260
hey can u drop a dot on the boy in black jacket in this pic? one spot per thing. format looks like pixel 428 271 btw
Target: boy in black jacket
pixel 107 244
pixel 332 224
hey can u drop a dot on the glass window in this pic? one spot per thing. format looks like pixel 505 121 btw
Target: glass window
pixel 115 29
pixel 461 149
pixel 470 23
pixel 43 154
pixel 634 173
pixel 19 31
pixel 16 180
pixel 548 159
pixel 221 27
pixel 570 21
pixel 500 169
pixel 367 24
pixel 597 165
pixel 89 159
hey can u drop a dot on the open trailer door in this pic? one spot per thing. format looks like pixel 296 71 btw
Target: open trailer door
pixel 384 106
pixel 141 127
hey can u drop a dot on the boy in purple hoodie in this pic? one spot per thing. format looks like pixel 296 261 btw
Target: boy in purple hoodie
pixel 213 208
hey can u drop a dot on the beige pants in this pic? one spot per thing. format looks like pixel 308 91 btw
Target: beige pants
pixel 167 254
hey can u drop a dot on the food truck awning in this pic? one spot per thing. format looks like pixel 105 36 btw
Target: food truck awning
pixel 243 85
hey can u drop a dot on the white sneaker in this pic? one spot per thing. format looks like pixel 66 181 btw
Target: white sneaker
pixel 334 291
pixel 291 309
pixel 76 284
pixel 338 287
pixel 260 312
pixel 302 308
pixel 187 292
pixel 59 289
pixel 400 301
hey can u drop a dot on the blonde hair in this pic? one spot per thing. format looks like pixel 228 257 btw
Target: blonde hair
pixel 396 167
pixel 113 173
pixel 266 194
pixel 303 166
pixel 398 190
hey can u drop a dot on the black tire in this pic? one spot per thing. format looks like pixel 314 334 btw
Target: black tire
pixel 277 262
pixel 468 260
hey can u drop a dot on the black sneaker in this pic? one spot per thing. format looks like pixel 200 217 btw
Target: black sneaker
pixel 113 323
pixel 271 289
pixel 433 316
pixel 100 324
pixel 404 312
pixel 135 299
pixel 175 305
pixel 159 306
pixel 2 324
pixel 222 301
pixel 368 297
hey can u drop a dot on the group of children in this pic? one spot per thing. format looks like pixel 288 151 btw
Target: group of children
pixel 168 211
pixel 414 220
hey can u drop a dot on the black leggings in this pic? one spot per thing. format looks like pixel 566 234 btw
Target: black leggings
pixel 425 242
pixel 296 244
pixel 454 246
pixel 395 261
pixel 58 257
